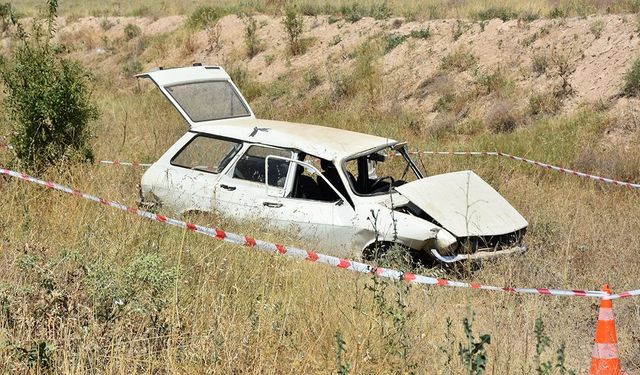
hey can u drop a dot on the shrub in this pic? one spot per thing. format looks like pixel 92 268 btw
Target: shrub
pixel 6 12
pixel 421 34
pixel 596 28
pixel 132 66
pixel 495 82
pixel 312 79
pixel 394 40
pixel 48 98
pixel 293 25
pixel 203 17
pixel 539 63
pixel 490 13
pixel 253 43
pixel 502 117
pixel 632 80
pixel 380 11
pixel 459 60
pixel 352 13
pixel 544 103
pixel 557 13
pixel 131 31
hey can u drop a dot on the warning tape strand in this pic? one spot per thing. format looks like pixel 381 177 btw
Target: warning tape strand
pixel 539 164
pixel 125 163
pixel 310 255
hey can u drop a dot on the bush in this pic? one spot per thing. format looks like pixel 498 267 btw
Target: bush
pixel 495 12
pixel 131 31
pixel 544 103
pixel 503 117
pixel 380 11
pixel 459 60
pixel 48 98
pixel 421 34
pixel 253 43
pixel 204 17
pixel 539 63
pixel 394 40
pixel 352 13
pixel 293 25
pixel 632 80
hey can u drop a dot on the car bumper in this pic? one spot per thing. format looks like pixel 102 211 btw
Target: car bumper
pixel 479 255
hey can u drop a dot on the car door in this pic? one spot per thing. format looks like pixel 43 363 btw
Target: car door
pixel 324 219
pixel 186 182
pixel 243 191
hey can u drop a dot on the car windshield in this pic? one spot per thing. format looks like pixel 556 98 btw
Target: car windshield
pixel 381 170
pixel 209 100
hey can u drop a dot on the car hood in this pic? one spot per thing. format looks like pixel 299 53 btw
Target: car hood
pixel 464 204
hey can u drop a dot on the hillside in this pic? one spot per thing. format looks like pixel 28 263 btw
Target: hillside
pixel 88 289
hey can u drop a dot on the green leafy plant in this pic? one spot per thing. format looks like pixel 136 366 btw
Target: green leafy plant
pixel 293 25
pixel 252 42
pixel 459 60
pixel 596 28
pixel 48 99
pixel 352 13
pixel 380 11
pixel 421 34
pixel 204 17
pixel 474 352
pixel 341 347
pixel 543 342
pixel 38 355
pixel 490 13
pixel 132 31
pixel 394 40
pixel 632 80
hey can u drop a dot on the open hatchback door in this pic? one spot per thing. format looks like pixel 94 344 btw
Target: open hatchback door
pixel 201 93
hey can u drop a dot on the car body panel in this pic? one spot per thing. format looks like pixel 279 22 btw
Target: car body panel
pixel 464 204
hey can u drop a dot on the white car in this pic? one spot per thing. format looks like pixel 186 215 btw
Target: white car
pixel 336 189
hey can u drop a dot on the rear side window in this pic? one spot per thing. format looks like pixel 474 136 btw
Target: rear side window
pixel 206 154
pixel 206 101
pixel 251 166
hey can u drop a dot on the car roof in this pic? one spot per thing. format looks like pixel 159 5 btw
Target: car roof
pixel 320 141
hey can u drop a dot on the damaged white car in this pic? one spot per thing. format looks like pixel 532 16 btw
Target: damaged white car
pixel 339 190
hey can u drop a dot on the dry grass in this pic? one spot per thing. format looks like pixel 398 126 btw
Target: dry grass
pixel 352 9
pixel 85 279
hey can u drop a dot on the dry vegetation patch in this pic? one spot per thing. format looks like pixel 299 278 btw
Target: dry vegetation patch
pixel 86 289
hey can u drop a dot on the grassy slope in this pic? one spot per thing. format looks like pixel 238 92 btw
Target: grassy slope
pixel 427 9
pixel 100 284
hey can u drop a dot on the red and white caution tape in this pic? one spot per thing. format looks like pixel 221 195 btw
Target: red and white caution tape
pixel 125 163
pixel 310 255
pixel 607 180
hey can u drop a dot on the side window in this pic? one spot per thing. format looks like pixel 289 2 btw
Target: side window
pixel 309 185
pixel 251 166
pixel 206 154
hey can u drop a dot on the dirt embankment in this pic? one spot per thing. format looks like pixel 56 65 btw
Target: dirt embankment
pixel 429 68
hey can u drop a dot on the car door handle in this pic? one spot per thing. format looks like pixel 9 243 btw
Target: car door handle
pixel 272 205
pixel 227 187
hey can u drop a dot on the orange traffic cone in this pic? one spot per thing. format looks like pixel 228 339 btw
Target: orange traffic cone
pixel 605 360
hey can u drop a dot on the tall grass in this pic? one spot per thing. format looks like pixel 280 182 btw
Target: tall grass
pixel 378 9
pixel 86 289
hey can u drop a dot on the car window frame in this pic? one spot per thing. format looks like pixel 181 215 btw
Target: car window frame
pixel 231 85
pixel 341 198
pixel 399 147
pixel 246 147
pixel 204 135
